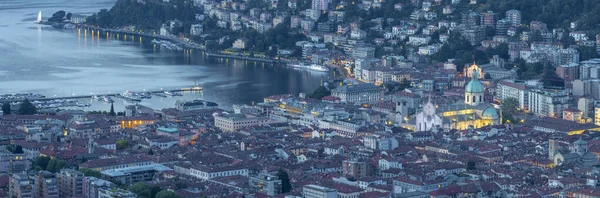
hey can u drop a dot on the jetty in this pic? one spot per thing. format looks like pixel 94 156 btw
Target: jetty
pixel 91 95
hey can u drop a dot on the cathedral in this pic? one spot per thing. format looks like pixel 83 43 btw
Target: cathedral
pixel 577 153
pixel 473 112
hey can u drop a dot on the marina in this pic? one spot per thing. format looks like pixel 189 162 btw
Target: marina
pixel 126 95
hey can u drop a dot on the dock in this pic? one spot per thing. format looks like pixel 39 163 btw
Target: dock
pixel 240 57
pixel 90 96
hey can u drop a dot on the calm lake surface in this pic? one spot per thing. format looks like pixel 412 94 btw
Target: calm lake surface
pixel 41 59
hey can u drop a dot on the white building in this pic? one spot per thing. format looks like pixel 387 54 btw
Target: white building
pixel 514 16
pixel 358 34
pixel 344 128
pixel 548 102
pixel 314 191
pixel 589 69
pixel 360 93
pixel 418 40
pixel 429 50
pixel 380 142
pixel 205 173
pixel 233 122
pixel 385 163
pixel 320 5
pixel 239 44
pixel 428 118
pixel 508 89
pixel 579 36
pixel 164 31
pixel 196 29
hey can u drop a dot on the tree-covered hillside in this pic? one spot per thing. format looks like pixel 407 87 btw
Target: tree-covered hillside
pixel 143 14
pixel 556 13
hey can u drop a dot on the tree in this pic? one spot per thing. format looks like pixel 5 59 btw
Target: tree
pixel 490 31
pixel 142 190
pixel 471 165
pixel 167 194
pixel 27 108
pixel 112 110
pixel 9 148
pixel 150 152
pixel 18 149
pixel 41 162
pixel 181 185
pixel 588 53
pixel 487 76
pixel 319 93
pixel 6 108
pixel 286 186
pixel 509 109
pixel 90 173
pixel 122 144
pixel 54 165
pixel 58 16
pixel 69 15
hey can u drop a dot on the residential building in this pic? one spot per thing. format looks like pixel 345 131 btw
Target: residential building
pixel 206 172
pixel 381 142
pixel 233 122
pixel 92 185
pixel 13 162
pixel 363 53
pixel 470 18
pixel 131 175
pixel 568 71
pixel 356 169
pixel 474 34
pixel 488 18
pixel 240 44
pixel 196 29
pixel 360 93
pixel 266 184
pixel 514 16
pixel 70 183
pixel 114 163
pixel 315 191
pixel 548 102
pixel 402 185
pixel 579 36
pixel 115 193
pixel 320 5
pixel 45 185
pixel 20 186
pixel 510 89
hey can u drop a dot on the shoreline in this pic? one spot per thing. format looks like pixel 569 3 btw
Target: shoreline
pixel 186 45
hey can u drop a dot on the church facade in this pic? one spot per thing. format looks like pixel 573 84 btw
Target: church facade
pixel 473 112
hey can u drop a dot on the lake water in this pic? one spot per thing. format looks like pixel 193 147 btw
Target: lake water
pixel 41 59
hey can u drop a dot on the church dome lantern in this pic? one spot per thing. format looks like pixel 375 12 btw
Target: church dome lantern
pixel 474 91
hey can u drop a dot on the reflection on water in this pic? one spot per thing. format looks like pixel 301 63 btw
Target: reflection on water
pixel 41 59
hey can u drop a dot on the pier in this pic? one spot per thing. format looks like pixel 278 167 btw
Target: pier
pixel 240 57
pixel 90 96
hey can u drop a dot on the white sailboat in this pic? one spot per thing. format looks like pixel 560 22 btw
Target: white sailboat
pixel 39 18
